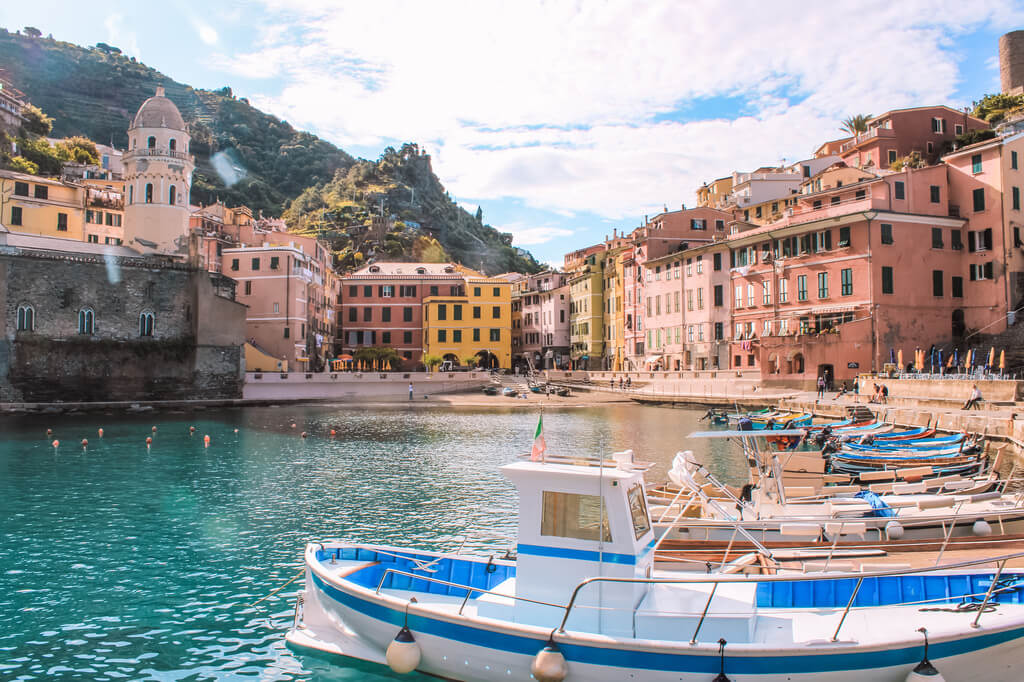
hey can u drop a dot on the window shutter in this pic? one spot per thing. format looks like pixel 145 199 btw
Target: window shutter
pixel 988 270
pixel 828 240
pixel 732 259
pixel 973 274
pixel 971 243
pixel 988 238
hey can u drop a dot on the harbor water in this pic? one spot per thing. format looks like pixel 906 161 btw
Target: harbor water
pixel 120 561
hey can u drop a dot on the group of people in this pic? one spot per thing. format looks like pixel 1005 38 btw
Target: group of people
pixel 881 394
pixel 623 384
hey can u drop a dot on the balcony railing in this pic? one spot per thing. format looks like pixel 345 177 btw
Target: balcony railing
pixel 864 137
pixel 155 151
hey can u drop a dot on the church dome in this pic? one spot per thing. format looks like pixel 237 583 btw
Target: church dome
pixel 158 112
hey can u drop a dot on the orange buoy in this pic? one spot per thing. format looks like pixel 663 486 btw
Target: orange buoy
pixel 56 444
pixel 191 430
pixel 154 429
pixel 293 425
pixel 149 441
pixel 333 432
pixel 100 431
pixel 49 432
pixel 206 441
pixel 304 434
pixel 236 430
pixel 85 443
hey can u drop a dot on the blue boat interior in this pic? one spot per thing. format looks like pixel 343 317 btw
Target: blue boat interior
pixel 478 574
pixel 886 591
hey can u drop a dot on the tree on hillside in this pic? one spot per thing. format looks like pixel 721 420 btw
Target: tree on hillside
pixel 78 149
pixel 33 32
pixel 856 124
pixel 36 122
pixel 993 108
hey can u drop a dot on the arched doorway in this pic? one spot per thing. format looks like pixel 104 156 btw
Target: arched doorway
pixel 958 324
pixel 488 360
pixel 828 372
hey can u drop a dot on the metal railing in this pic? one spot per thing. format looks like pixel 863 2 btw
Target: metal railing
pixel 468 588
pixel 1000 561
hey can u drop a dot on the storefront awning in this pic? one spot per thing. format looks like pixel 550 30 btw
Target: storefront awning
pixel 653 358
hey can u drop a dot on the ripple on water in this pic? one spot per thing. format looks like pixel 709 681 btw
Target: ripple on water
pixel 127 563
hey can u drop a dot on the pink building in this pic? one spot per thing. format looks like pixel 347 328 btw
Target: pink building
pixel 544 332
pixel 856 271
pixel 382 304
pixel 929 131
pixel 663 312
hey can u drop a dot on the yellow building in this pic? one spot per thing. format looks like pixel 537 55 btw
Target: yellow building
pixel 586 312
pixel 715 194
pixel 614 317
pixel 44 206
pixel 104 211
pixel 475 323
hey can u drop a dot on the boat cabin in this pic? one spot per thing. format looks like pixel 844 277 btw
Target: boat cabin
pixel 581 519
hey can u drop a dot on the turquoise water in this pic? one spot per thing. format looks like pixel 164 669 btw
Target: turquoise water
pixel 119 562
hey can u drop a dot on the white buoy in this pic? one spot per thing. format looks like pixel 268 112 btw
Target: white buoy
pixel 549 664
pixel 893 530
pixel 403 654
pixel 981 528
pixel 925 671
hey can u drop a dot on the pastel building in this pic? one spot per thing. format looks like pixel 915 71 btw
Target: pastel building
pixel 586 309
pixel 831 289
pixel 382 304
pixel 472 323
pixel 41 205
pixel 986 181
pixel 926 131
pixel 544 301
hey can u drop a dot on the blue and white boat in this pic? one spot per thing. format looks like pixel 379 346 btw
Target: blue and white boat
pixel 584 599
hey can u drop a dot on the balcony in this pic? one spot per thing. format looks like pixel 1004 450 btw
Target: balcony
pixel 806 212
pixel 864 137
pixel 154 152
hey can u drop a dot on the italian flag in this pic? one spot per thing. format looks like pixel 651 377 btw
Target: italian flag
pixel 539 446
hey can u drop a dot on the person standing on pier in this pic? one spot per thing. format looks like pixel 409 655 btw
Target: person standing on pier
pixel 410 390
pixel 821 387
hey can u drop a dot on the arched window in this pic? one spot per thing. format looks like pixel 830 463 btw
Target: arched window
pixel 146 324
pixel 172 195
pixel 149 193
pixel 133 142
pixel 86 321
pixel 151 143
pixel 172 144
pixel 131 194
pixel 26 318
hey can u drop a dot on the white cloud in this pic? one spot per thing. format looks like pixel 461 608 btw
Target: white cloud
pixel 531 235
pixel 559 104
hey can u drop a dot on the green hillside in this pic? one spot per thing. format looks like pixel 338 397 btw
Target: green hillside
pixel 94 92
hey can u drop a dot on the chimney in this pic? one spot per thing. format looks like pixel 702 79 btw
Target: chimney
pixel 160 91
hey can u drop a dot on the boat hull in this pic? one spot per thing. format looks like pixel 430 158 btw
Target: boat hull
pixel 345 620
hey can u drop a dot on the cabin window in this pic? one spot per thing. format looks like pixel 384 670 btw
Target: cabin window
pixel 568 515
pixel 638 509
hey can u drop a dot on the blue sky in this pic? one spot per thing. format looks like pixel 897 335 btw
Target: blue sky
pixel 563 120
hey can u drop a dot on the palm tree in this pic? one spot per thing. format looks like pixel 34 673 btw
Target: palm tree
pixel 431 361
pixel 856 124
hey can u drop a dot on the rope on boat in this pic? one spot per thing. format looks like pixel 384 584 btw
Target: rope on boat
pixel 268 596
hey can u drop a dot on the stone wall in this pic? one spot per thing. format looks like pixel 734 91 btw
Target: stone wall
pixel 54 363
pixel 358 385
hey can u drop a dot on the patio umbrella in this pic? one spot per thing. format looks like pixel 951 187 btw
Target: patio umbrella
pixel 892 355
pixel 899 359
pixel 956 357
pixel 1002 359
pixel 992 357
pixel 967 360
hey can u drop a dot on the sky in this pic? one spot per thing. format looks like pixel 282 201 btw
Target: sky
pixel 562 120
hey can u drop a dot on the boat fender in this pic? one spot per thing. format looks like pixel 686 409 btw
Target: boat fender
pixel 403 654
pixel 981 528
pixel 490 567
pixel 925 671
pixel 549 664
pixel 893 530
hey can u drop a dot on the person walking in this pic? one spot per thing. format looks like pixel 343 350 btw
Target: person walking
pixel 974 399
pixel 821 387
pixel 410 390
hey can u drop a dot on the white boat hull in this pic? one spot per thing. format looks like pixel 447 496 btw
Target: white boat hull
pixel 463 648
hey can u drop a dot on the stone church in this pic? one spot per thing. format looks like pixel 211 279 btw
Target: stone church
pixel 89 322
